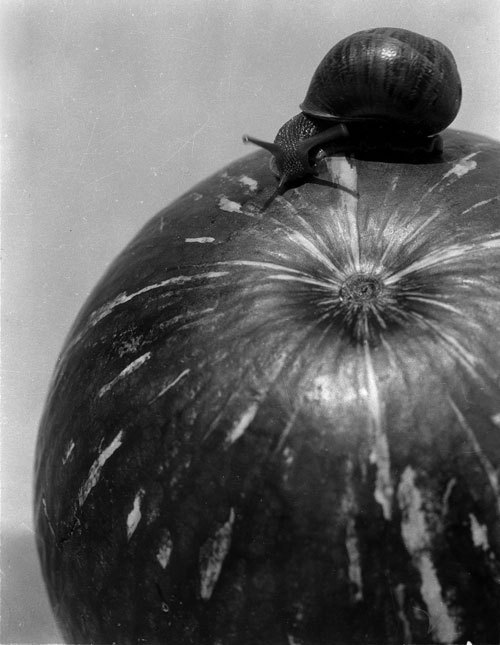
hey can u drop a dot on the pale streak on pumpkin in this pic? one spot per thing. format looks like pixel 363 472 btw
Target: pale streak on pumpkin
pixel 418 542
pixel 282 272
pixel 95 470
pixel 479 533
pixel 484 202
pixel 165 551
pixel 122 298
pixel 172 384
pixel 258 264
pixel 440 257
pixel 286 431
pixel 399 592
pixel 349 508
pixel 303 279
pixel 287 205
pixel 319 240
pixel 243 422
pixel 384 489
pixel 446 497
pixel 480 454
pixel 353 554
pixel 130 369
pixel 212 556
pixel 248 415
pixel 393 245
pixel 199 240
pixel 288 455
pixel 461 168
pixel 229 206
pixel 45 512
pixel 493 243
pixel 308 246
pixel 416 232
pixel 250 183
pixel 344 173
pixel 68 452
pixel 185 316
pixel 434 302
pixel 453 345
pixel 134 517
pixel 289 458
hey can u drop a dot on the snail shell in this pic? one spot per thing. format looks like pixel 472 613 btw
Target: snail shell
pixel 387 74
pixel 395 89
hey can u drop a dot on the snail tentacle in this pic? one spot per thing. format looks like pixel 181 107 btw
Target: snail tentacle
pixel 294 143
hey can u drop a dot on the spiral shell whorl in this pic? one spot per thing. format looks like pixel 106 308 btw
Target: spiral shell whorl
pixel 387 74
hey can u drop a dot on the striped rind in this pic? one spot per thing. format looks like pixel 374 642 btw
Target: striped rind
pixel 221 462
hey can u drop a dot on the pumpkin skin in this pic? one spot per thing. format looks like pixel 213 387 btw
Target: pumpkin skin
pixel 277 421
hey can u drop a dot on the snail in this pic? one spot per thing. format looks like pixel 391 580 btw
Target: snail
pixel 383 88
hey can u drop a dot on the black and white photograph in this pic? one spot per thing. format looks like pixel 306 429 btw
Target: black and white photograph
pixel 250 300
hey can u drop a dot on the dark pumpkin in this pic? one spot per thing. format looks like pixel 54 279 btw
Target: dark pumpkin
pixel 281 425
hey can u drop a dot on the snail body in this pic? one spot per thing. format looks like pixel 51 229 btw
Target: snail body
pixel 294 143
pixel 399 85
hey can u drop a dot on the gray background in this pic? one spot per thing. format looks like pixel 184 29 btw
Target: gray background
pixel 111 110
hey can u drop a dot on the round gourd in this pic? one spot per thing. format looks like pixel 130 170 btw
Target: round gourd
pixel 277 421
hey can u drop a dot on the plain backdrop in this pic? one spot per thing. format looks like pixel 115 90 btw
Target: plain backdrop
pixel 110 111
